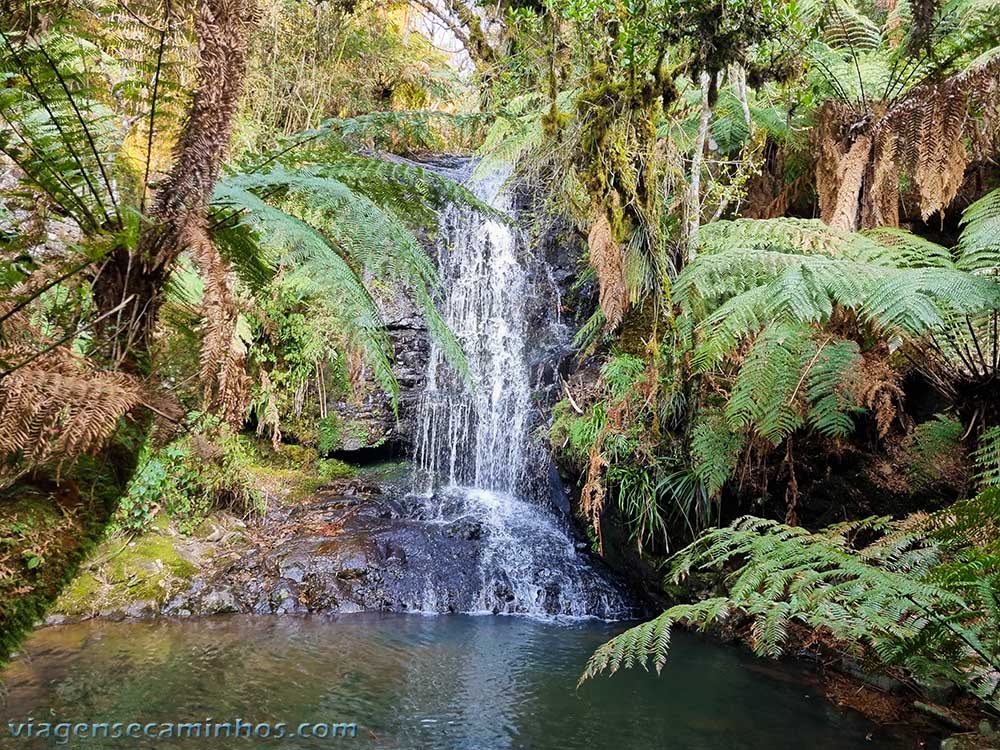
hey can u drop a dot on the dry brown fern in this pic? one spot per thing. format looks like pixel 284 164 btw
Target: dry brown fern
pixel 882 207
pixel 607 259
pixel 877 387
pixel 223 356
pixel 931 134
pixel 53 417
pixel 592 495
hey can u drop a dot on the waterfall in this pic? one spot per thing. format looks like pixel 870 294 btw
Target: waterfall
pixel 473 445
pixel 477 438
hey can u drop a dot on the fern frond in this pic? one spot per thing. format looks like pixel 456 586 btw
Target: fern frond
pixel 898 597
pixel 987 458
pixel 715 446
pixel 979 243
pixel 51 417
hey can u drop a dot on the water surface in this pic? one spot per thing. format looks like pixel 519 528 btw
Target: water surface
pixel 411 682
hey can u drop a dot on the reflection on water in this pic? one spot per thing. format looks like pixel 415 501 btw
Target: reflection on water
pixel 413 682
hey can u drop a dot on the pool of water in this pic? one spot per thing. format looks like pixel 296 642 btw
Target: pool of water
pixel 412 682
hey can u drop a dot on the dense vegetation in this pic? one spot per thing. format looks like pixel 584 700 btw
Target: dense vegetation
pixel 788 216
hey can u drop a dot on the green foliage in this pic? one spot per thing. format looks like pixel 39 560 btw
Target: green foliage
pixel 933 451
pixel 767 302
pixel 576 433
pixel 328 234
pixel 918 595
pixel 621 373
pixel 323 59
pixel 857 54
pixel 987 458
pixel 188 479
pixel 979 244
pixel 637 491
pixel 90 104
pixel 715 447
pixel 331 468
pixel 330 434
pixel 752 273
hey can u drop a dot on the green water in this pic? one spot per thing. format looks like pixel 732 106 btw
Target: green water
pixel 411 682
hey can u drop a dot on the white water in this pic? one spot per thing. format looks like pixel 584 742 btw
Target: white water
pixel 477 439
pixel 473 445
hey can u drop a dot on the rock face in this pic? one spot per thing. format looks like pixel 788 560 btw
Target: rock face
pixel 356 548
pixel 368 423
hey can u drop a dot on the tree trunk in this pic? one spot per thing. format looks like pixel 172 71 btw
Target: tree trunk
pixel 135 280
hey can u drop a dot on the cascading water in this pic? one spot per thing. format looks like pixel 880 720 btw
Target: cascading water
pixel 477 438
pixel 473 444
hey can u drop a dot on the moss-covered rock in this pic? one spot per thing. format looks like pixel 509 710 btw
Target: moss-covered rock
pixel 146 570
pixel 331 468
pixel 48 524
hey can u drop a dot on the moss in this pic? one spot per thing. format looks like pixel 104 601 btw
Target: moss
pixel 331 468
pixel 293 457
pixel 356 429
pixel 160 523
pixel 80 598
pixel 149 568
pixel 144 569
pixel 289 485
pixel 49 525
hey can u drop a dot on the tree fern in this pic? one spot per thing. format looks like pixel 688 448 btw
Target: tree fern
pixel 987 458
pixel 329 233
pixel 979 244
pixel 764 392
pixel 752 273
pixel 907 595
pixel 54 128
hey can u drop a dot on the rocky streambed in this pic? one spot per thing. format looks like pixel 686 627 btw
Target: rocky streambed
pixel 359 544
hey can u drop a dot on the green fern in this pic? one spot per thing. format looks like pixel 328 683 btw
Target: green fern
pixel 621 373
pixel 55 129
pixel 715 447
pixel 829 377
pixel 909 597
pixel 328 234
pixel 754 273
pixel 933 450
pixel 987 458
pixel 979 244
pixel 763 395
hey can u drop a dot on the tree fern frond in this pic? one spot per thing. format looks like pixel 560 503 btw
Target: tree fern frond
pixel 715 447
pixel 979 243
pixel 871 599
pixel 317 269
pixel 650 640
pixel 55 129
pixel 987 458
pixel 406 188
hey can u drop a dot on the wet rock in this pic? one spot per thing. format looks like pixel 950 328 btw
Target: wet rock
pixel 219 602
pixel 373 548
pixel 466 528
pixel 293 568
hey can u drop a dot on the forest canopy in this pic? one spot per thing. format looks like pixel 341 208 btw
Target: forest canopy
pixel 785 220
